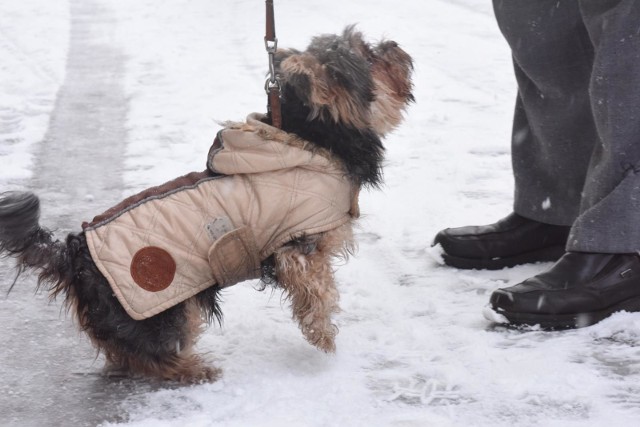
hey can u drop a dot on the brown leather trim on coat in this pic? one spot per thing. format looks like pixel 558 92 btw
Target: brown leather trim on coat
pixel 215 148
pixel 189 180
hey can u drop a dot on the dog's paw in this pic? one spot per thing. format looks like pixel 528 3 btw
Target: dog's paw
pixel 326 344
pixel 206 374
pixel 323 339
pixel 113 370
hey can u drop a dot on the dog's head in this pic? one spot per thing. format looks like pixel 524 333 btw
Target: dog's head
pixel 344 80
pixel 344 94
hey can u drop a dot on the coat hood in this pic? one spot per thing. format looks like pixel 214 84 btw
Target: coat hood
pixel 255 147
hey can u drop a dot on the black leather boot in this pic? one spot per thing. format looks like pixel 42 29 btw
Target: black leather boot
pixel 511 241
pixel 579 290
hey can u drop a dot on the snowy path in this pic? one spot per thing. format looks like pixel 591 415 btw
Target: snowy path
pixel 48 370
pixel 413 349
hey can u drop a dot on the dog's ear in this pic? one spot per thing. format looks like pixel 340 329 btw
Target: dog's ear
pixel 304 74
pixel 391 71
pixel 282 54
pixel 396 65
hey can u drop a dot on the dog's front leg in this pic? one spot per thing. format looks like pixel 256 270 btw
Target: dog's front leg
pixel 305 272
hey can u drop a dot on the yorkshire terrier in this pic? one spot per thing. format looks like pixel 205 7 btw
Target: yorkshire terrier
pixel 143 278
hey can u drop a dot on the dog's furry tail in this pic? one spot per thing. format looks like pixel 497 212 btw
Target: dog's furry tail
pixel 33 246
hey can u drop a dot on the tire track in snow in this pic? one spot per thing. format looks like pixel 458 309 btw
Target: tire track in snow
pixel 79 164
pixel 48 368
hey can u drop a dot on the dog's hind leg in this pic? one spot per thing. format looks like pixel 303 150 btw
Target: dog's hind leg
pixel 184 364
pixel 160 347
pixel 188 366
pixel 304 270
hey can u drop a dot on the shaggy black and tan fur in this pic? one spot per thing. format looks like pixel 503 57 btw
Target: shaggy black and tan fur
pixel 341 94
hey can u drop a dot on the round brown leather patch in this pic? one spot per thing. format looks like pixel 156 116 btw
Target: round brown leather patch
pixel 153 269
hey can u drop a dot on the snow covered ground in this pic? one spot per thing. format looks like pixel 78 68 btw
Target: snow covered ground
pixel 414 348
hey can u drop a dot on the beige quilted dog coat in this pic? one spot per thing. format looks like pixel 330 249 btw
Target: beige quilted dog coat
pixel 263 187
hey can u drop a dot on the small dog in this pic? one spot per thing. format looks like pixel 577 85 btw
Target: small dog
pixel 143 279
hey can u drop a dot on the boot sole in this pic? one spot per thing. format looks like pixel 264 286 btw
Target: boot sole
pixel 565 321
pixel 552 253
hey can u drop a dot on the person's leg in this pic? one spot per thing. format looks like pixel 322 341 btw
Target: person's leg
pixel 553 128
pixel 600 273
pixel 609 221
pixel 553 137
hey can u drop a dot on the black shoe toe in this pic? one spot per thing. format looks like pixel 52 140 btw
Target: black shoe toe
pixel 579 290
pixel 511 241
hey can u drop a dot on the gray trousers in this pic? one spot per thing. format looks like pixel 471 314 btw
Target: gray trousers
pixel 576 129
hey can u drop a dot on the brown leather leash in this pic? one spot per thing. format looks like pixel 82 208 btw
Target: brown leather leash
pixel 272 85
